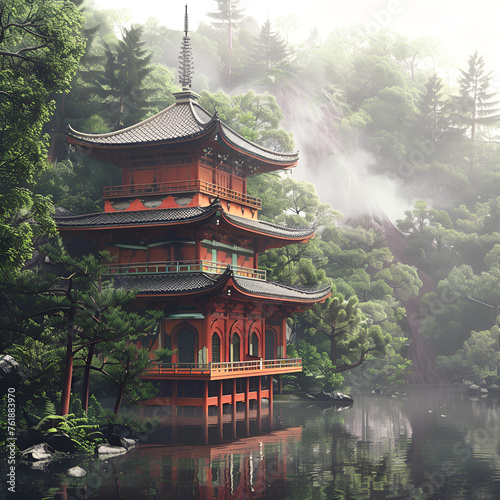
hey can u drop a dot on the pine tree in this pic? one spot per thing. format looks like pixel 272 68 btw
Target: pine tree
pixel 474 105
pixel 125 69
pixel 228 14
pixel 269 50
pixel 430 106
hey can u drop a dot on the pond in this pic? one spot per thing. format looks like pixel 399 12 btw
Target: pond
pixel 425 443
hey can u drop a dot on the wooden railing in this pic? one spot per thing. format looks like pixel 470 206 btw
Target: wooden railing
pixel 187 186
pixel 188 266
pixel 222 368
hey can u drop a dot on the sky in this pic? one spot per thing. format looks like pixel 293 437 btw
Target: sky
pixel 463 25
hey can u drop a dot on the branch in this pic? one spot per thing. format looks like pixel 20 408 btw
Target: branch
pixel 350 366
pixel 15 54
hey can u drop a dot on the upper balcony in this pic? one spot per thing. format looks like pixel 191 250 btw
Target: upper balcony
pixel 218 371
pixel 179 187
pixel 188 266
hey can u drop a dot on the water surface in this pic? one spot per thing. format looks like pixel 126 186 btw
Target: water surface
pixel 428 443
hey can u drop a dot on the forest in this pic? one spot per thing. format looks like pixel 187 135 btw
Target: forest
pixel 414 300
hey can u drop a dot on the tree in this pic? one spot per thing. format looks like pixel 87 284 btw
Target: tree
pixel 80 307
pixel 431 106
pixel 228 14
pixel 352 340
pixel 40 47
pixel 474 105
pixel 255 116
pixel 126 68
pixel 268 51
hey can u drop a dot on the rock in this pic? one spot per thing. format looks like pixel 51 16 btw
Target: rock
pixel 128 443
pixel 61 442
pixel 76 472
pixel 40 451
pixel 483 390
pixel 107 450
pixel 8 365
pixel 494 389
pixel 332 396
pixel 473 388
pixel 115 440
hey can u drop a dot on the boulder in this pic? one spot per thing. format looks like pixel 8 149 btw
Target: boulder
pixel 61 442
pixel 40 451
pixel 8 365
pixel 107 450
pixel 115 440
pixel 473 388
pixel 332 396
pixel 494 389
pixel 76 472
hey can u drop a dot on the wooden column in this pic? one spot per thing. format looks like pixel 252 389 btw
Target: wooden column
pixel 197 251
pixel 271 401
pixel 220 410
pixel 205 397
pixel 174 411
pixel 233 404
pixel 205 428
pixel 247 405
pixel 259 403
pixel 283 336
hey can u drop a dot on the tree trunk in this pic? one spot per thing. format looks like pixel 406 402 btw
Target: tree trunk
pixel 119 396
pixel 86 379
pixel 68 370
pixel 121 388
pixel 333 348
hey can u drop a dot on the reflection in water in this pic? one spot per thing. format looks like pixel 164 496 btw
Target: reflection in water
pixel 430 444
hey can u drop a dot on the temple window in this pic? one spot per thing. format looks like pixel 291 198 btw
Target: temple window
pixel 270 344
pixel 215 348
pixel 235 347
pixel 254 344
pixel 186 346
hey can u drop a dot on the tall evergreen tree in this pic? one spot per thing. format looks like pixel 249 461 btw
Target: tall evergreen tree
pixel 126 68
pixel 475 107
pixel 228 14
pixel 430 106
pixel 269 50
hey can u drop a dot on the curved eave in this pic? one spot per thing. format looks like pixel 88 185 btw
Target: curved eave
pixel 131 224
pixel 263 155
pixel 266 230
pixel 277 292
pixel 213 285
pixel 78 140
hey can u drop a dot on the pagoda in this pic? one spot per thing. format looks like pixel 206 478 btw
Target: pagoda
pixel 185 234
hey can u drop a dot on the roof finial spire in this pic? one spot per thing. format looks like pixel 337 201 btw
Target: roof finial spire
pixel 186 68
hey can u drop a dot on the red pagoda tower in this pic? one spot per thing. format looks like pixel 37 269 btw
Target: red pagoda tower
pixel 184 232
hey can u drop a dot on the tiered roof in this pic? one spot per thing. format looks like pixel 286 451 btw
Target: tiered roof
pixel 183 121
pixel 194 284
pixel 185 215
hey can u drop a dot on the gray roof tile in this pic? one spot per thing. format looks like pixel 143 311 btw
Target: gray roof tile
pixel 181 120
pixel 168 283
pixel 153 216
pixel 277 290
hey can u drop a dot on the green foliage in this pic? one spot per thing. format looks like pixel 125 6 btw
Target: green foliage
pixel 84 436
pixel 255 116
pixel 40 46
pixel 478 358
pixel 318 373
